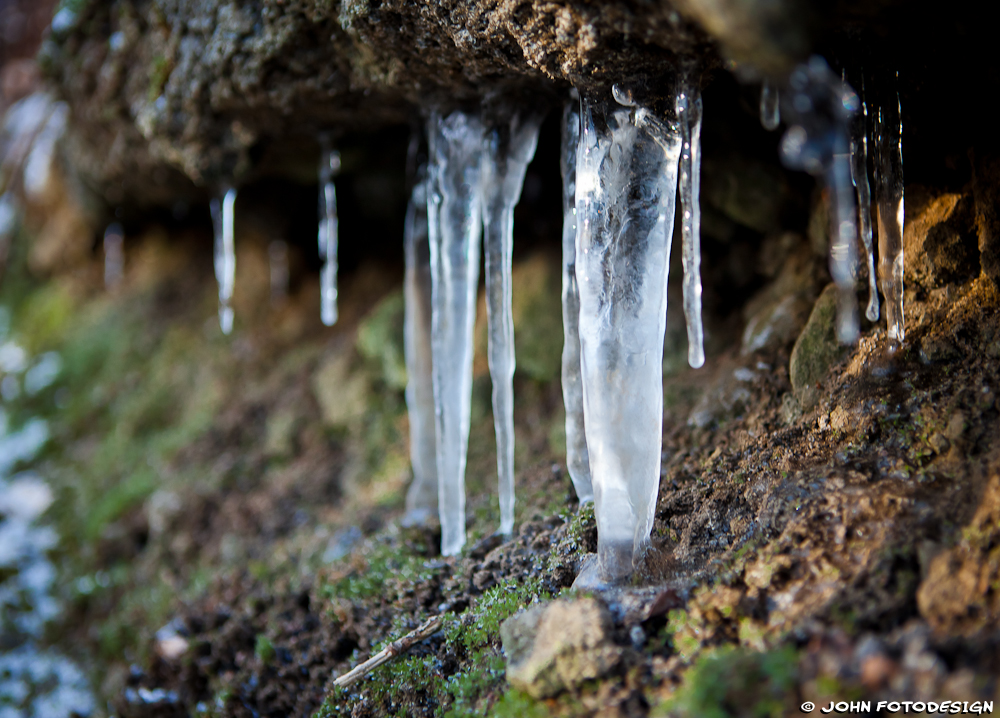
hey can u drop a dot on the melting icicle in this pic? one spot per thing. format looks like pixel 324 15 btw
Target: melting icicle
pixel 626 182
pixel 689 118
pixel 422 498
pixel 454 227
pixel 329 166
pixel 277 257
pixel 577 457
pixel 889 199
pixel 859 173
pixel 225 255
pixel 770 106
pixel 819 106
pixel 114 255
pixel 508 147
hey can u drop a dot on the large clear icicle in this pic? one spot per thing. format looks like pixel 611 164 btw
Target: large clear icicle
pixel 508 147
pixel 225 255
pixel 422 498
pixel 577 456
pixel 454 227
pixel 689 118
pixel 770 105
pixel 859 173
pixel 889 201
pixel 626 182
pixel 819 107
pixel 114 255
pixel 329 166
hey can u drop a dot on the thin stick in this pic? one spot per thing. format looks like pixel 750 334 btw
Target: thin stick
pixel 396 648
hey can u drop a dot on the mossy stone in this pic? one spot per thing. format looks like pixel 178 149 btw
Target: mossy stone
pixel 816 349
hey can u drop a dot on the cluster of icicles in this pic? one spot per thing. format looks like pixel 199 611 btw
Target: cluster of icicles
pixel 623 167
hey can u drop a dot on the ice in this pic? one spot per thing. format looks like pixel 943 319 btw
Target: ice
pixel 770 105
pixel 819 106
pixel 225 255
pixel 626 181
pixel 454 226
pixel 114 255
pixel 889 201
pixel 508 146
pixel 329 166
pixel 422 498
pixel 689 117
pixel 577 457
pixel 859 173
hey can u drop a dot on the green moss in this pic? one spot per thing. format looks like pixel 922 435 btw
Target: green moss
pixel 380 341
pixel 159 72
pixel 517 704
pixel 816 349
pixel 264 649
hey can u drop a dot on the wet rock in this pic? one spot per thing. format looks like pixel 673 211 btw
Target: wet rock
pixel 939 241
pixel 557 646
pixel 816 349
pixel 777 314
pixel 986 192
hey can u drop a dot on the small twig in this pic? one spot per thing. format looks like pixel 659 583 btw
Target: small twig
pixel 394 649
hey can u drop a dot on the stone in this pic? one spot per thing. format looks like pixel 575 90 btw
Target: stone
pixel 558 646
pixel 816 349
pixel 776 314
pixel 986 193
pixel 939 240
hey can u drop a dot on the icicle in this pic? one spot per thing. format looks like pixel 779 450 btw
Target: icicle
pixel 329 166
pixel 770 106
pixel 689 118
pixel 422 498
pixel 114 255
pixel 277 256
pixel 577 457
pixel 889 200
pixel 225 255
pixel 626 182
pixel 454 227
pixel 819 107
pixel 508 146
pixel 859 173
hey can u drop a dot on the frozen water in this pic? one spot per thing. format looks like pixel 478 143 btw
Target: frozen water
pixel 626 182
pixel 577 457
pixel 225 255
pixel 818 106
pixel 770 105
pixel 329 166
pixel 508 146
pixel 689 118
pixel 889 200
pixel 422 498
pixel 859 173
pixel 454 227
pixel 114 255
pixel 43 373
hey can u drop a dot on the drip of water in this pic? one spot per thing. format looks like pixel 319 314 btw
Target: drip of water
pixel 422 498
pixel 454 226
pixel 114 255
pixel 329 166
pixel 508 147
pixel 770 105
pixel 577 456
pixel 626 183
pixel 689 118
pixel 819 107
pixel 859 173
pixel 889 201
pixel 225 255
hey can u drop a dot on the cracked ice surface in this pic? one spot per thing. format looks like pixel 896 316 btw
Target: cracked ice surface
pixel 626 181
pixel 225 255
pixel 577 457
pixel 508 147
pixel 689 118
pixel 889 200
pixel 422 498
pixel 329 165
pixel 454 227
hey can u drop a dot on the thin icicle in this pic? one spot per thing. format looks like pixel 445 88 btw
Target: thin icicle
pixel 422 498
pixel 819 106
pixel 689 118
pixel 114 255
pixel 859 173
pixel 577 457
pixel 889 200
pixel 770 105
pixel 508 146
pixel 454 227
pixel 626 182
pixel 329 166
pixel 225 255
